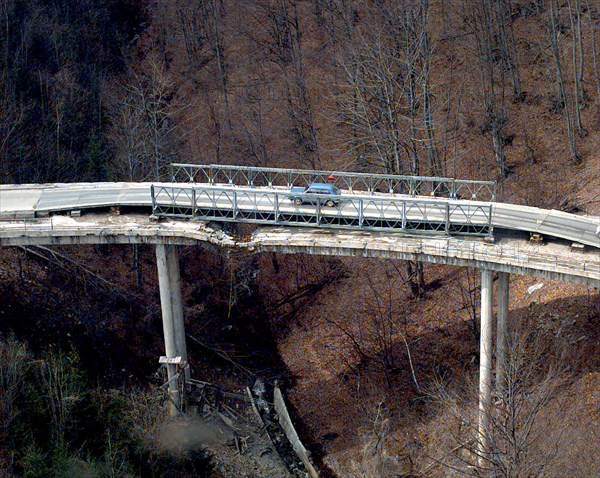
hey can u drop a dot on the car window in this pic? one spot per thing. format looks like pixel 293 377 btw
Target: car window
pixel 320 190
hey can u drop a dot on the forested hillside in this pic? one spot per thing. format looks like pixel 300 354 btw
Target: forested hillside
pixel 476 89
pixel 377 357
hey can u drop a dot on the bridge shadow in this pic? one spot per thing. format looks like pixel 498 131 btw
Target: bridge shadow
pixel 342 410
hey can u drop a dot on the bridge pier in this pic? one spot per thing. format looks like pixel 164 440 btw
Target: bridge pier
pixel 169 282
pixel 485 363
pixel 501 330
pixel 486 349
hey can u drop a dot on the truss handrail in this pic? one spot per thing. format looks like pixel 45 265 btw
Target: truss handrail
pixel 367 182
pixel 364 212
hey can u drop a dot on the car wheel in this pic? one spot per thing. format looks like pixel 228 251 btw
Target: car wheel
pixel 297 201
pixel 329 203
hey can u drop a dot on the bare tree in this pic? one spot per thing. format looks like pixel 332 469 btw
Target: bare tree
pixel 386 108
pixel 14 367
pixel 253 126
pixel 195 36
pixel 376 110
pixel 563 99
pixel 507 46
pixel 282 33
pixel 376 458
pixel 593 29
pixel 386 102
pixel 61 385
pixel 487 21
pixel 577 60
pixel 469 291
pixel 156 93
pixel 337 18
pixel 145 122
pixel 11 116
pixel 523 437
pixel 376 341
pixel 213 12
pixel 129 138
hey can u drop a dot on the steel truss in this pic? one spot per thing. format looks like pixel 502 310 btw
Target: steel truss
pixel 353 183
pixel 265 206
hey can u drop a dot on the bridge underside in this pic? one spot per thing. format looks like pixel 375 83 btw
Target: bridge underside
pixel 512 254
pixel 554 261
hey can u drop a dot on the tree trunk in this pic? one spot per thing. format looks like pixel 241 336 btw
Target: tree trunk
pixel 577 60
pixel 562 98
pixel 594 53
pixel 416 279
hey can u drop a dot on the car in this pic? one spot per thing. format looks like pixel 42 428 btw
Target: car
pixel 301 195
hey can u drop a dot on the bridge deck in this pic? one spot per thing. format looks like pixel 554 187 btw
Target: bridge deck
pixel 34 200
pixel 355 213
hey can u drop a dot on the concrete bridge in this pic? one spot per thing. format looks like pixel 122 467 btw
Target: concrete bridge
pixel 438 228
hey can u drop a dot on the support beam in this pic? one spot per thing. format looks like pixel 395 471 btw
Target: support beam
pixel 177 307
pixel 485 363
pixel 172 316
pixel 501 330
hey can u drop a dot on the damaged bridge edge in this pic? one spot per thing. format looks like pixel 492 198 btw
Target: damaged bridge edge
pixel 570 267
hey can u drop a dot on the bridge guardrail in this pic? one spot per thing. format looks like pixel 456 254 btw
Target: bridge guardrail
pixel 413 186
pixel 263 206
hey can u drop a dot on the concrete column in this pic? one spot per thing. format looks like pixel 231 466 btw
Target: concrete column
pixel 177 306
pixel 485 361
pixel 172 314
pixel 501 330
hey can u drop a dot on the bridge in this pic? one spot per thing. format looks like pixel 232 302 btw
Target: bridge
pixel 439 220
